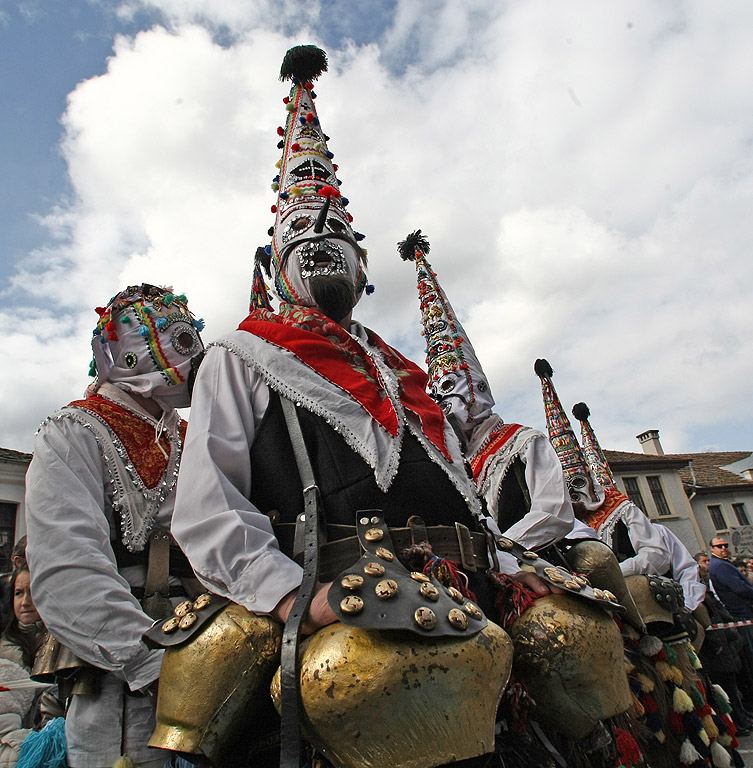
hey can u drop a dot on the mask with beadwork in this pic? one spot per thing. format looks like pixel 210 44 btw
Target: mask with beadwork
pixel 458 382
pixel 147 342
pixel 313 244
pixel 583 488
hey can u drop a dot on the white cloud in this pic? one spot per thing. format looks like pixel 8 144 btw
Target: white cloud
pixel 583 171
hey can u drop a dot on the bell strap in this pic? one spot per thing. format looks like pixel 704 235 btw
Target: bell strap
pixel 290 696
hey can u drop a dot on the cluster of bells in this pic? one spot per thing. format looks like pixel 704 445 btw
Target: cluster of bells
pixel 559 575
pixel 386 589
pixel 185 616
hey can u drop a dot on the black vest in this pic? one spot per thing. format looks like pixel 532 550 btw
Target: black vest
pixel 346 482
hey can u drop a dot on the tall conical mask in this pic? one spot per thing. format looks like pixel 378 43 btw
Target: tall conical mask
pixel 312 237
pixel 595 457
pixel 579 481
pixel 457 379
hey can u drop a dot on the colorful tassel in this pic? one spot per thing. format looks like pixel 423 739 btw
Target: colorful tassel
pixel 719 756
pixel 681 702
pixel 688 753
pixel 710 726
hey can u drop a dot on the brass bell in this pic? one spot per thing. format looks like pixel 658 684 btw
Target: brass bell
pixel 425 617
pixel 202 601
pixel 188 620
pixel 429 591
pixel 374 534
pixel 455 594
pixel 170 625
pixel 385 554
pixel 473 611
pixel 351 581
pixel 183 608
pixel 417 576
pixel 351 604
pixel 373 569
pixel 458 619
pixel 386 589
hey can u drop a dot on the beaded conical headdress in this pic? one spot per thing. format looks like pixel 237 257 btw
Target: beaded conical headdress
pixel 311 221
pixel 457 378
pixel 595 457
pixel 562 437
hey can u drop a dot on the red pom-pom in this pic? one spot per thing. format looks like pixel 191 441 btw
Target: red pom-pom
pixel 309 86
pixel 309 117
pixel 295 146
pixel 627 747
pixel 649 704
pixel 100 310
pixel 335 167
pixel 328 191
pixel 350 218
pixel 112 336
pixel 286 100
pixel 110 326
pixel 274 209
pixel 675 722
pixel 280 130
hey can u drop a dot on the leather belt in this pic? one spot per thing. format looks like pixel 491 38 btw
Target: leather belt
pixel 467 548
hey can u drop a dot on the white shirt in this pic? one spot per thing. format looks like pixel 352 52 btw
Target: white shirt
pixel 82 597
pixel 684 568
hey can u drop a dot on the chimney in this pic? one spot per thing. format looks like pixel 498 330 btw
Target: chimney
pixel 650 442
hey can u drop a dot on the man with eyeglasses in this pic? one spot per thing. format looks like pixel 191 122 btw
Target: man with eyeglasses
pixel 736 592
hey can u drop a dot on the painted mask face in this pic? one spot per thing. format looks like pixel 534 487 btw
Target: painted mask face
pixel 584 491
pixel 146 342
pixel 313 239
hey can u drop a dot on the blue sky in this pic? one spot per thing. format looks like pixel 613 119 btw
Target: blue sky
pixel 584 172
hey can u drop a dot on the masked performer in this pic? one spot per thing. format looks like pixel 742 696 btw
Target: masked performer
pixel 597 501
pixel 387 465
pixel 100 493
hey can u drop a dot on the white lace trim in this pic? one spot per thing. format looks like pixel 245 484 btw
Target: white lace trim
pixel 135 504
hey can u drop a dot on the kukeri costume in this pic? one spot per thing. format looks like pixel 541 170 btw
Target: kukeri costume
pixel 665 673
pixel 388 470
pixel 100 492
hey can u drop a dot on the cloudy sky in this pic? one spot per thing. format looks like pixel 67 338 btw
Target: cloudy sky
pixel 583 170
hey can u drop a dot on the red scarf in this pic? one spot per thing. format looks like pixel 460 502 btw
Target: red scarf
pixel 329 350
pixel 136 435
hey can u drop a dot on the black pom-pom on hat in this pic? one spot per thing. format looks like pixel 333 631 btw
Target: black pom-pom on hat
pixel 542 369
pixel 414 241
pixel 263 258
pixel 581 411
pixel 303 63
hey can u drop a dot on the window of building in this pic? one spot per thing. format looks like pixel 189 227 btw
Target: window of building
pixel 634 492
pixel 657 492
pixel 717 518
pixel 7 533
pixel 740 514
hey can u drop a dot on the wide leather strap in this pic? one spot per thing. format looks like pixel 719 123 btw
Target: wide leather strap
pixel 290 695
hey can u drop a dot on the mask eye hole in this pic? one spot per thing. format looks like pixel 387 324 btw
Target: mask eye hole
pixel 335 224
pixel 578 482
pixel 301 223
pixel 185 341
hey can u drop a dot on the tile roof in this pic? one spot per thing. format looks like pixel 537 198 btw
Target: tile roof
pixel 8 454
pixel 706 469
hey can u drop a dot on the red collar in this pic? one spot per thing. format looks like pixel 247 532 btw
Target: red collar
pixel 329 350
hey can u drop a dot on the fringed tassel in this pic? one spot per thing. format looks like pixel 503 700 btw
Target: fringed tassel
pixel 629 753
pixel 45 748
pixel 650 645
pixel 721 700
pixel 710 727
pixel 688 753
pixel 719 756
pixel 681 702
pixel 511 601
pixel 448 572
pixel 124 762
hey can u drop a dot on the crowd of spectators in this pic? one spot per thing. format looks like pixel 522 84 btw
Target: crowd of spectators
pixel 727 654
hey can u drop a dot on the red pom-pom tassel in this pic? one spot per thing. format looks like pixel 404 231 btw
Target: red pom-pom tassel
pixel 280 130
